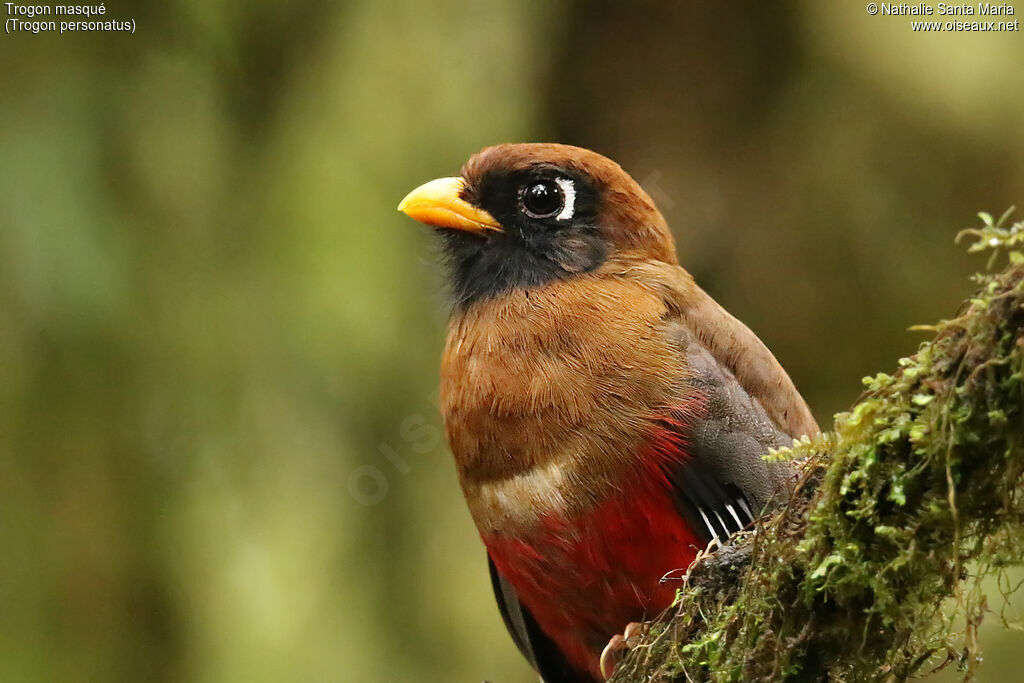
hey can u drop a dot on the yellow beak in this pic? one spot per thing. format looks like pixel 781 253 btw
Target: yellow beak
pixel 438 203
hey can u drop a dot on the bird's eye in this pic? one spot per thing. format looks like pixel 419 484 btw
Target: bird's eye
pixel 543 199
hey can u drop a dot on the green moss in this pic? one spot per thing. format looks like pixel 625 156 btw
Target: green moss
pixel 862 575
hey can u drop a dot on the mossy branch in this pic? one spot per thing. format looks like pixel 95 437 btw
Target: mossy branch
pixel 872 570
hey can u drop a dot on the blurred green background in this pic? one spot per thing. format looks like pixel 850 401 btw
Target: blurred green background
pixel 220 454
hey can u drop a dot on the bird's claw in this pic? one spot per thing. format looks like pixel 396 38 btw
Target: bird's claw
pixel 619 645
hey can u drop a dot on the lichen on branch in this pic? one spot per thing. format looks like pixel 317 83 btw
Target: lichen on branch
pixel 872 570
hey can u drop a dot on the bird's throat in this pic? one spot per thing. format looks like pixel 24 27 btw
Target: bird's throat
pixel 485 266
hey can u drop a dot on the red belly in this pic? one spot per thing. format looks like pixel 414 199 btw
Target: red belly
pixel 584 579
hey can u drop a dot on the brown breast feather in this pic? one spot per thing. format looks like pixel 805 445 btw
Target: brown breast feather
pixel 549 394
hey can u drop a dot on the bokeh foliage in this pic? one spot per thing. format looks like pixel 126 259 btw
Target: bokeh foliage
pixel 218 339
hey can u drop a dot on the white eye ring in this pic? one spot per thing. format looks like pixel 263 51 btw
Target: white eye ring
pixel 569 190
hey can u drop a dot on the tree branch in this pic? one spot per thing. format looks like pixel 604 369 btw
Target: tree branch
pixel 872 570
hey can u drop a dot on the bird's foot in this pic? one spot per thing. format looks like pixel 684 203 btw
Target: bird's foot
pixel 619 646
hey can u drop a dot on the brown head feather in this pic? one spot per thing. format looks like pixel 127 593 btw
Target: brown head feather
pixel 630 221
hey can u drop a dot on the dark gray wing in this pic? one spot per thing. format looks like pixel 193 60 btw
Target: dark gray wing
pixel 714 510
pixel 725 483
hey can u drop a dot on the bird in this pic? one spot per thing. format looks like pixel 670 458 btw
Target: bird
pixel 607 418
